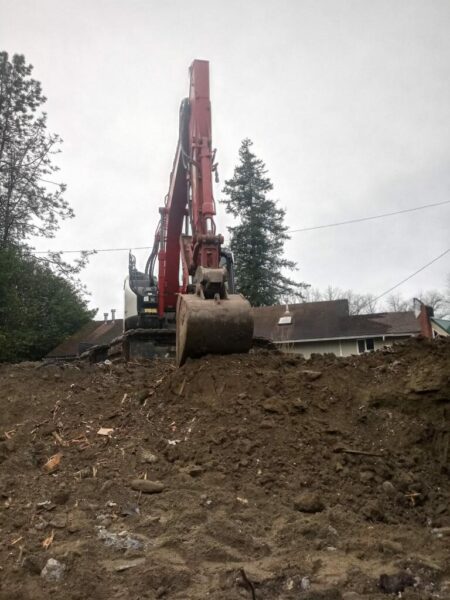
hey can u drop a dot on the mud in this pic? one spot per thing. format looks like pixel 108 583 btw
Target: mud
pixel 267 477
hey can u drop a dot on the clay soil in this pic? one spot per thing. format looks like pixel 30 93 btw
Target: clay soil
pixel 261 476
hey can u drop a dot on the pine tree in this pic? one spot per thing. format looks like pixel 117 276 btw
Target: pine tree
pixel 257 242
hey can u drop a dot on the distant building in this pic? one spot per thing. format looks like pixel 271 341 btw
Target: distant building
pixel 94 333
pixel 322 327
pixel 440 327
pixel 305 328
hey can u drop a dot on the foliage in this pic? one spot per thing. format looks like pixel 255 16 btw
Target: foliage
pixel 38 308
pixel 27 207
pixel 40 301
pixel 358 303
pixel 258 240
pixel 439 300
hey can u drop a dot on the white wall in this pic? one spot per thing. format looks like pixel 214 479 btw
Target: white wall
pixel 337 347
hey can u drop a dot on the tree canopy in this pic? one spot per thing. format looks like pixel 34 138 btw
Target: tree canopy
pixel 38 308
pixel 29 204
pixel 257 241
pixel 40 301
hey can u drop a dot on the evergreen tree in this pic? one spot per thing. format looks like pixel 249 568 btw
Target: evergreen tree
pixel 258 240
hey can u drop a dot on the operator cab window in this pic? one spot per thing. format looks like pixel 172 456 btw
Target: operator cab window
pixel 366 345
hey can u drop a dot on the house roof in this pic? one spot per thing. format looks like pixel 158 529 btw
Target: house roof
pixel 310 321
pixel 442 323
pixel 93 333
pixel 329 320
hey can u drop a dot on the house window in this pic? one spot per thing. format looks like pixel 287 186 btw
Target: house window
pixel 365 345
pixel 285 320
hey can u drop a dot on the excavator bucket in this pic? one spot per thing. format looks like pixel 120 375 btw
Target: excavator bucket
pixel 212 326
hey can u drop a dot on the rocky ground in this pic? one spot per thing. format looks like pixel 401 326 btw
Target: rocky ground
pixel 244 477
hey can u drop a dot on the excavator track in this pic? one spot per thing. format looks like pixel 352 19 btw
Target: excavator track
pixel 135 344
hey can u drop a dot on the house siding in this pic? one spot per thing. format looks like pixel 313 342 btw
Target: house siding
pixel 336 347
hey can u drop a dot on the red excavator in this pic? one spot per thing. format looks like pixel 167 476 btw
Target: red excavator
pixel 201 309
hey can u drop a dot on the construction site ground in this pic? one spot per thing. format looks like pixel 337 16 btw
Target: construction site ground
pixel 234 477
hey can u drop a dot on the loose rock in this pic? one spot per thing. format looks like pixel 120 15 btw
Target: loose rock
pixel 388 488
pixel 393 584
pixel 146 456
pixel 122 565
pixel 311 375
pixel 59 521
pixel 309 502
pixel 146 486
pixel 53 570
pixel 76 520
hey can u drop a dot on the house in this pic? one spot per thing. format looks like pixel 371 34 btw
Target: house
pixel 440 327
pixel 322 327
pixel 94 333
pixel 433 326
pixel 306 328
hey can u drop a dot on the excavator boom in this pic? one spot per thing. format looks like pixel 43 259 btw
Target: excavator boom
pixel 208 316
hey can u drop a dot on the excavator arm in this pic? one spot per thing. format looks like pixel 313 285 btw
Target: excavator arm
pixel 209 319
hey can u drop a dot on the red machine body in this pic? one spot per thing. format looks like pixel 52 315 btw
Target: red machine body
pixel 207 315
pixel 190 199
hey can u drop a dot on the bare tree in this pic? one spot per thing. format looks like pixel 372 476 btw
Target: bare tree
pixel 358 303
pixel 361 303
pixel 312 294
pixel 436 299
pixel 397 303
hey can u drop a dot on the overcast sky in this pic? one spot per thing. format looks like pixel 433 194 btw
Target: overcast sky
pixel 347 102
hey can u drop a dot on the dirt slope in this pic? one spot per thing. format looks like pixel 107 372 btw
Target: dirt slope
pixel 271 477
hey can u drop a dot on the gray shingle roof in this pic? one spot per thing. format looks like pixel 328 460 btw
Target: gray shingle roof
pixel 93 333
pixel 310 321
pixel 329 320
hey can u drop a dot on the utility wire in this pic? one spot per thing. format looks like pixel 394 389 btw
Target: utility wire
pixel 398 212
pixel 407 278
pixel 94 250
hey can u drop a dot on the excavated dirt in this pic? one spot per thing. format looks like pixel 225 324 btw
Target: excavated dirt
pixel 249 476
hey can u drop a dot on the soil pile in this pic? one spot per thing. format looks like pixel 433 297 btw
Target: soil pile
pixel 249 476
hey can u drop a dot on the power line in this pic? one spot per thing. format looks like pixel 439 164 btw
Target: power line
pixel 407 278
pixel 94 250
pixel 360 220
pixel 398 212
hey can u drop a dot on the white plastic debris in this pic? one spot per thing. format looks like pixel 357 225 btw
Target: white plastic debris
pixel 305 583
pixel 242 500
pixel 290 584
pixel 105 431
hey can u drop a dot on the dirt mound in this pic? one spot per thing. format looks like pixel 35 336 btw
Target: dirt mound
pixel 259 476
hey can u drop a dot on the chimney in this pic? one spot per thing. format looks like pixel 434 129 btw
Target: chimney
pixel 105 316
pixel 113 315
pixel 423 314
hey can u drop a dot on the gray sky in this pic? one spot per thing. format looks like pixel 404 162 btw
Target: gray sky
pixel 347 102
